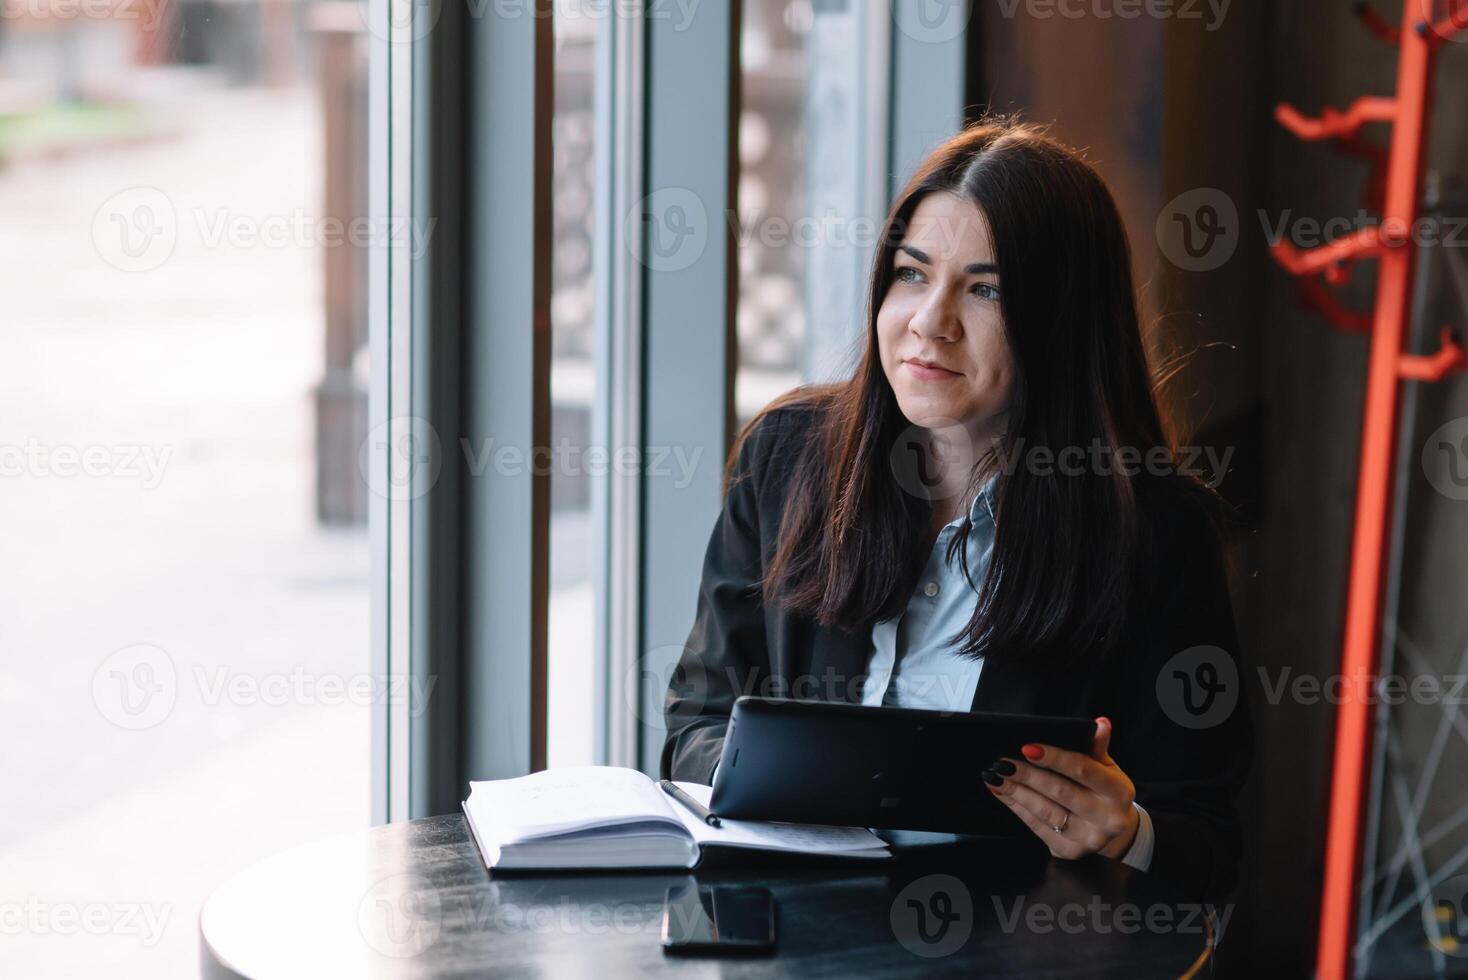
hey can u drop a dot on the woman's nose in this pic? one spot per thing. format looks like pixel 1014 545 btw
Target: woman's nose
pixel 936 319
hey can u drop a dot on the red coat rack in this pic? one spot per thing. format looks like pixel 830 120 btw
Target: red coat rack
pixel 1391 244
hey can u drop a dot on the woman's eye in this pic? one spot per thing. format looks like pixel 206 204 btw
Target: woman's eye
pixel 986 290
pixel 906 273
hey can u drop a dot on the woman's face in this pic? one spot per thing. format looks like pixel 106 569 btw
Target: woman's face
pixel 940 334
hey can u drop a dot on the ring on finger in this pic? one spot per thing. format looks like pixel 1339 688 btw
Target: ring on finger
pixel 1061 828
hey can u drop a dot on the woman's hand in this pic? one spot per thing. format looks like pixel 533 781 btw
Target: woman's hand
pixel 1077 804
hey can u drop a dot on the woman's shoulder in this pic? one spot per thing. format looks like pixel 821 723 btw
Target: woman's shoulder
pixel 1183 524
pixel 1175 504
pixel 774 438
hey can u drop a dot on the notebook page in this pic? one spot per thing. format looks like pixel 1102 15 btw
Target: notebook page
pixel 802 838
pixel 558 801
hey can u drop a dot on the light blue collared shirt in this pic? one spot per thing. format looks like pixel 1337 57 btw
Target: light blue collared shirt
pixel 915 661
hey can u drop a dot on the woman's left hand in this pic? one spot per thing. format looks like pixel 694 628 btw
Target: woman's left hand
pixel 1077 804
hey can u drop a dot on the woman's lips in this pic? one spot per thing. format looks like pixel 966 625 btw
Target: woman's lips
pixel 926 371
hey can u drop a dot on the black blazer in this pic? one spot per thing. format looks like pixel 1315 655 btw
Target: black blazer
pixel 1186 776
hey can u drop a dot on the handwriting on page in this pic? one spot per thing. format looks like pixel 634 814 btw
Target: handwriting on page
pixel 576 795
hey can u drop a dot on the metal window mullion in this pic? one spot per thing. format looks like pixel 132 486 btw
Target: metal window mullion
pixel 617 408
pixel 506 364
pixel 433 414
pixel 689 354
pixel 481 103
pixel 379 337
pixel 929 69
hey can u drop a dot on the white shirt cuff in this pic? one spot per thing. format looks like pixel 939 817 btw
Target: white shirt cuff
pixel 1139 855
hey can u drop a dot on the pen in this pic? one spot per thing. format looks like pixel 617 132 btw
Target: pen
pixel 699 810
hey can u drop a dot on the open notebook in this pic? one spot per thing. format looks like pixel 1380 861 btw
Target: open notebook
pixel 605 817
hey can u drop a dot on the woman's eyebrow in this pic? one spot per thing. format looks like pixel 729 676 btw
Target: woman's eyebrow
pixel 973 268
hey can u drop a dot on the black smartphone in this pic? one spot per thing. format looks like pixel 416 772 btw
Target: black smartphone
pixel 718 919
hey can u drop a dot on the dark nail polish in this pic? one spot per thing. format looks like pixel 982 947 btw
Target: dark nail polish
pixel 1003 767
pixel 991 777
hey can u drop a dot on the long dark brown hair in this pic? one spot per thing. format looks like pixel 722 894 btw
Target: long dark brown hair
pixel 1067 549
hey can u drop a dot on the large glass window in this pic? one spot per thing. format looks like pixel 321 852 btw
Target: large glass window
pixel 811 188
pixel 571 640
pixel 183 397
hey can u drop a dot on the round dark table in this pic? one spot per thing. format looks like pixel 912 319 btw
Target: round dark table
pixel 414 899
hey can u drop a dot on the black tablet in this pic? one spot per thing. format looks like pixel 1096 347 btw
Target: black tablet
pixel 894 768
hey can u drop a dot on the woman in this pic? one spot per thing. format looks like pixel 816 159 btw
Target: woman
pixel 987 516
